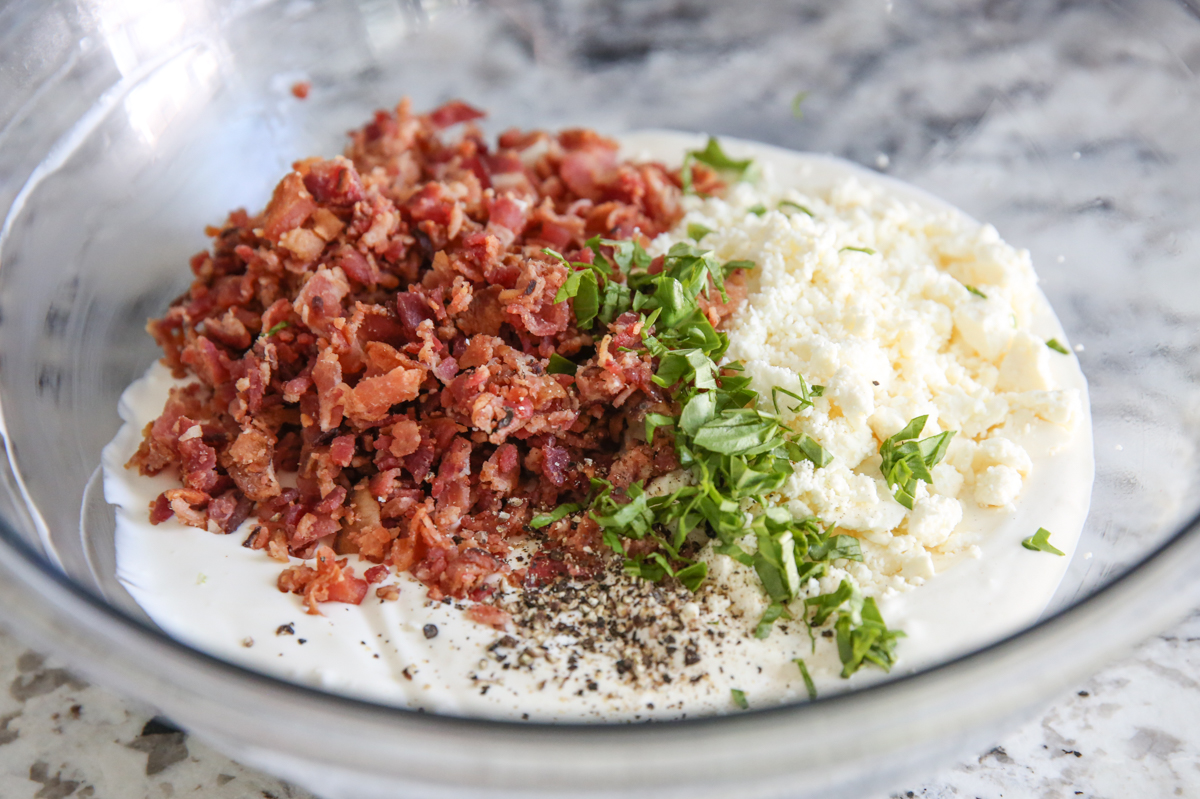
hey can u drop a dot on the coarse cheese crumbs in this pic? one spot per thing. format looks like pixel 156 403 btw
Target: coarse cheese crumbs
pixel 868 297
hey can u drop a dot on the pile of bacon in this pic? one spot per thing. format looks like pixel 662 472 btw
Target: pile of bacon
pixel 370 355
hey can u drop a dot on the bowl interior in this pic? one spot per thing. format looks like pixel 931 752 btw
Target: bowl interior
pixel 1072 131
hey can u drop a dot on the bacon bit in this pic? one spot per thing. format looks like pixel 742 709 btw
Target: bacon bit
pixel 388 593
pixel 160 509
pixel 370 400
pixel 228 511
pixel 334 182
pixel 330 581
pixel 376 574
pixel 301 88
pixel 406 437
pixel 341 451
pixel 277 548
pixel 304 244
pixel 250 461
pixel 197 460
pixel 544 570
pixel 452 113
pixel 187 505
pixel 502 470
pixel 555 461
pixel 489 615
pixel 290 206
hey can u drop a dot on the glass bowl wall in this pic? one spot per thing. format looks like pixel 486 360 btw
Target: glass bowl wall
pixel 125 127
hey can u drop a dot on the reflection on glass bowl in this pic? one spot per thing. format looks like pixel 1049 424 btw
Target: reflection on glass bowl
pixel 125 128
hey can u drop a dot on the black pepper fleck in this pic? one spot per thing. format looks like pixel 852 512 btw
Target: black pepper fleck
pixel 430 630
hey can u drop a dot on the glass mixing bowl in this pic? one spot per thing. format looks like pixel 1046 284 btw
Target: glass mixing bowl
pixel 126 126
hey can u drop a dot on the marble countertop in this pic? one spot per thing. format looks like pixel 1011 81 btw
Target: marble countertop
pixel 1133 730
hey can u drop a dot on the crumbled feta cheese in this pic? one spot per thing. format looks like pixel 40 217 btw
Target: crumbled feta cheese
pixel 997 486
pixel 1000 451
pixel 947 481
pixel 986 325
pixel 891 336
pixel 934 518
pixel 1026 367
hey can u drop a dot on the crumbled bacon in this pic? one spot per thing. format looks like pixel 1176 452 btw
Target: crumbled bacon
pixel 382 332
pixel 331 581
pixel 490 615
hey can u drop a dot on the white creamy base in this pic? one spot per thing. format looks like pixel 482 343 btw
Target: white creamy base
pixel 215 595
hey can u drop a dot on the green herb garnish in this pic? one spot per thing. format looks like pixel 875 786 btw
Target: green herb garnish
pixel 712 155
pixel 546 519
pixel 906 460
pixel 697 231
pixel 739 698
pixel 1057 347
pixel 975 291
pixel 808 680
pixel 596 293
pixel 789 204
pixel 276 328
pixel 773 612
pixel 866 250
pixel 869 642
pixel 1040 542
pixel 758 209
pixel 559 365
pixel 797 101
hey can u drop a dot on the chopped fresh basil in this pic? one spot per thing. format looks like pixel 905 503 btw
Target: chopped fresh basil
pixel 595 293
pixel 813 451
pixel 905 460
pixel 697 231
pixel 546 519
pixel 1040 542
pixel 797 206
pixel 808 680
pixel 773 612
pixel 655 421
pixel 975 291
pixel 797 101
pixel 866 250
pixel 869 642
pixel 713 155
pixel 559 365
pixel 758 209
pixel 1057 347
pixel 739 698
pixel 628 255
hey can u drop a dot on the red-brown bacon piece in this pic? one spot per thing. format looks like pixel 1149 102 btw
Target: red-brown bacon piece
pixel 382 330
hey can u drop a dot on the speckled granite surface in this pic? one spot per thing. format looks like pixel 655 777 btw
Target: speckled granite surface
pixel 1131 731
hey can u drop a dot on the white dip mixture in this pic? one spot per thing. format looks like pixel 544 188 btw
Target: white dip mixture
pixel 861 287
